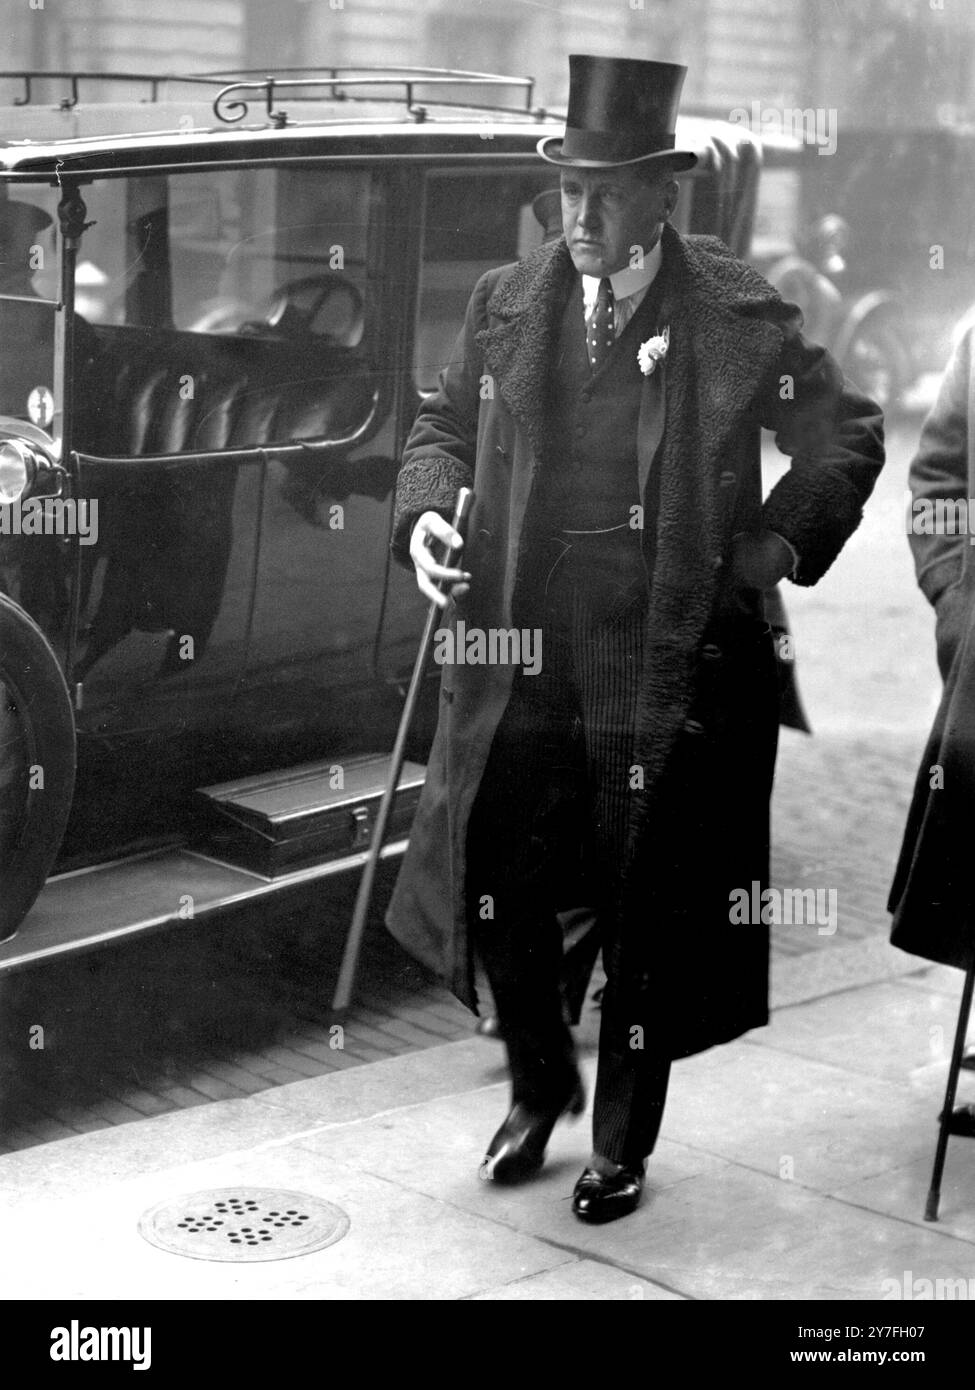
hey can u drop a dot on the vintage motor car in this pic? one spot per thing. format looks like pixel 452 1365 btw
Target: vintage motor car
pixel 222 300
pixel 875 245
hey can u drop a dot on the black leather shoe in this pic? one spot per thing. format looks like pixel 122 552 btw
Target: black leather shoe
pixel 517 1151
pixel 598 1198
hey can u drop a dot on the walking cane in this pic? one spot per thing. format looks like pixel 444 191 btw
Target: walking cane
pixel 353 945
pixel 957 1062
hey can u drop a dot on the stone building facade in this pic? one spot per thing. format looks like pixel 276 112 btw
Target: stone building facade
pixel 878 61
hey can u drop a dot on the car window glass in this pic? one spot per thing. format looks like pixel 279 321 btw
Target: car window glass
pixel 777 214
pixel 28 277
pixel 473 221
pixel 234 305
pixel 211 252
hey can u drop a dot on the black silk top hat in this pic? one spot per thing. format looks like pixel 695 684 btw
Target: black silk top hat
pixel 621 111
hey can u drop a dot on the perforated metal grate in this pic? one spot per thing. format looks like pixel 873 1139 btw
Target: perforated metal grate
pixel 243 1224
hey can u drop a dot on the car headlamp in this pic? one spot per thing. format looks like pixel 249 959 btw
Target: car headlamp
pixel 18 469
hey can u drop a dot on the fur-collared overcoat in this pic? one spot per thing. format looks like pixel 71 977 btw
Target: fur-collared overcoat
pixel 933 895
pixel 707 723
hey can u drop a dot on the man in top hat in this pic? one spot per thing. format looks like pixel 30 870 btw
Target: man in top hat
pixel 604 401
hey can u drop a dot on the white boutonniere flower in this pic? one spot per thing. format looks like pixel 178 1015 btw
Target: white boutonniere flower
pixel 654 350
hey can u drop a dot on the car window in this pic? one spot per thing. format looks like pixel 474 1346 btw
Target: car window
pixel 211 252
pixel 28 293
pixel 232 308
pixel 777 214
pixel 473 221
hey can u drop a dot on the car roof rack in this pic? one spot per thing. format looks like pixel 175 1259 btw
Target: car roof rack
pixel 344 83
pixel 74 79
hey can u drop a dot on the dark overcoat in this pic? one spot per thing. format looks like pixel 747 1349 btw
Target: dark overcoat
pixel 933 895
pixel 707 721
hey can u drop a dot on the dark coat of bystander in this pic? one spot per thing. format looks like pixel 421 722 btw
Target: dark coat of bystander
pixel 933 894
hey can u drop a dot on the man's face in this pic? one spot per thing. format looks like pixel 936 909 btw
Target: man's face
pixel 608 212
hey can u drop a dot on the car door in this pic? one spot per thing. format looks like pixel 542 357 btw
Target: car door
pixel 167 579
pixel 330 277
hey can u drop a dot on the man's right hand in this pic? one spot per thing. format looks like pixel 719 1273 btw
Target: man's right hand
pixel 430 530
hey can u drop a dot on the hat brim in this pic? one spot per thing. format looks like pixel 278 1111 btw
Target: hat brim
pixel 676 160
pixel 23 218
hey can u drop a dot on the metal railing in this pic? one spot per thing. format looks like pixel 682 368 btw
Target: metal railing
pixel 154 80
pixel 340 83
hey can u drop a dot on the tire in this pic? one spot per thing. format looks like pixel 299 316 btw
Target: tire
pixel 877 361
pixel 36 731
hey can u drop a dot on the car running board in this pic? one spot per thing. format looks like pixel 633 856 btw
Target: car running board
pixel 160 888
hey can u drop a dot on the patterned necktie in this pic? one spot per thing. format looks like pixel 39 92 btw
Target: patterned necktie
pixel 601 327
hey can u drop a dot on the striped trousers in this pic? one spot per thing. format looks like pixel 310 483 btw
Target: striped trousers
pixel 548 832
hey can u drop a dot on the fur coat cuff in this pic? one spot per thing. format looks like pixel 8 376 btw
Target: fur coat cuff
pixel 816 512
pixel 429 483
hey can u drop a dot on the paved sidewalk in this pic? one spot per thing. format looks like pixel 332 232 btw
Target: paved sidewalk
pixel 794 1165
pixel 175 1022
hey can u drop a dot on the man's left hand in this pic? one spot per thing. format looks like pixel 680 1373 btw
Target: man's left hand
pixel 759 559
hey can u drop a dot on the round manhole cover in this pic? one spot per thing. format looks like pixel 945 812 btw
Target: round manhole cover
pixel 243 1224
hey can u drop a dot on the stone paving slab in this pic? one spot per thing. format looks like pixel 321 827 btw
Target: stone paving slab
pixel 746 1235
pixel 777 1113
pixel 579 1280
pixel 884 1030
pixel 943 979
pixel 400 1244
pixel 902 1191
pixel 838 966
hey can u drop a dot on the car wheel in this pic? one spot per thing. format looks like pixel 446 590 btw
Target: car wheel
pixel 877 361
pixel 326 306
pixel 37 762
